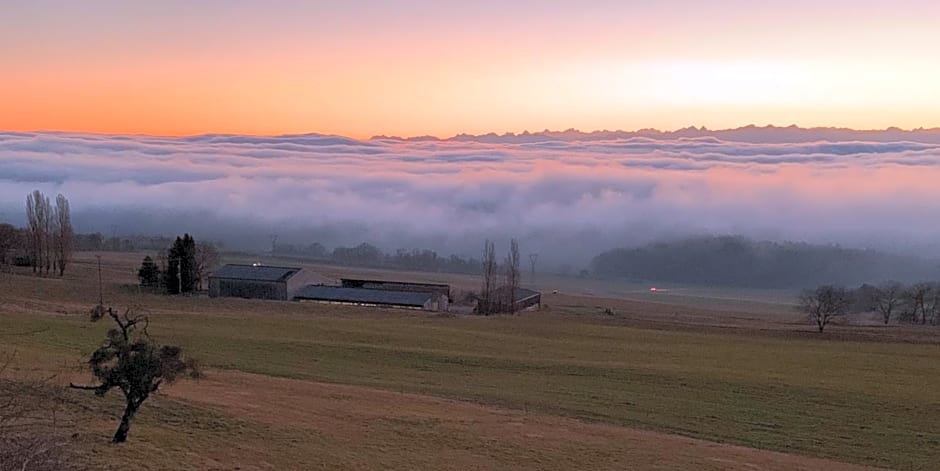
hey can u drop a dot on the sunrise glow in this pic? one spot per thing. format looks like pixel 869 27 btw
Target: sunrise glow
pixel 422 67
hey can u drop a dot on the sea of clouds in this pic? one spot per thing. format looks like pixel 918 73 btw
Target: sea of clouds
pixel 567 199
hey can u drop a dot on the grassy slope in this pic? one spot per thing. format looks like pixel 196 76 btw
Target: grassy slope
pixel 871 403
pixel 863 402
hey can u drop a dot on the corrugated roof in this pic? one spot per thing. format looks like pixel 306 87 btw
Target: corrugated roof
pixel 255 273
pixel 362 295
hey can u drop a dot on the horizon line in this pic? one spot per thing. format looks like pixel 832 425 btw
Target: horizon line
pixel 524 132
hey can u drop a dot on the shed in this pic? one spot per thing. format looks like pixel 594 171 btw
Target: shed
pixel 372 297
pixel 258 281
pixel 521 299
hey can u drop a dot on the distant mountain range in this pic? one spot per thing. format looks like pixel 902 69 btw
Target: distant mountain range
pixel 752 133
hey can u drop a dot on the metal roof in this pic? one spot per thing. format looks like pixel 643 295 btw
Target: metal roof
pixel 525 293
pixel 362 295
pixel 389 282
pixel 255 272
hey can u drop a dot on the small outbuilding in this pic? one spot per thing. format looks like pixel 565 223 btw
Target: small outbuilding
pixel 258 281
pixel 427 301
pixel 521 299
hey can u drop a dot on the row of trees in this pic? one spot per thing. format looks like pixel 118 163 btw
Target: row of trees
pixel 183 268
pixel 97 242
pixel 47 242
pixel 500 282
pixel 49 232
pixel 738 261
pixel 892 301
pixel 368 255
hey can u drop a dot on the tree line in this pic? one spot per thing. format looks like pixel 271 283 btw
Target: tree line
pixel 368 255
pixel 740 262
pixel 97 242
pixel 917 304
pixel 47 242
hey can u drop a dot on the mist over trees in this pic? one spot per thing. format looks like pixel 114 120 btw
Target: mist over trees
pixel 741 262
pixel 368 255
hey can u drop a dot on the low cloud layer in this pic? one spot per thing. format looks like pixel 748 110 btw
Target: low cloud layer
pixel 565 198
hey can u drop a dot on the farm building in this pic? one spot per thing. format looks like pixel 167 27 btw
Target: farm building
pixel 522 300
pixel 373 297
pixel 440 289
pixel 259 281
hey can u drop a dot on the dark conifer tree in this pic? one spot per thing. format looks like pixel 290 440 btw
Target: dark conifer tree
pixel 149 273
pixel 180 274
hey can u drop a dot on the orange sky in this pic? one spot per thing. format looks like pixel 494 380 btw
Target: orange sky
pixel 422 67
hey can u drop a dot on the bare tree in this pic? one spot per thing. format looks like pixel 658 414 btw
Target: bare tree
pixel 824 304
pixel 133 362
pixel 39 217
pixel 887 299
pixel 62 234
pixel 513 275
pixel 487 292
pixel 930 310
pixel 206 257
pixel 921 302
pixel 533 257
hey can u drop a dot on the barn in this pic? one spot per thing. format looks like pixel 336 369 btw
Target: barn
pixel 427 301
pixel 439 289
pixel 258 281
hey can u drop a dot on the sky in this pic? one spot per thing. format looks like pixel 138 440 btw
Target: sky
pixel 360 68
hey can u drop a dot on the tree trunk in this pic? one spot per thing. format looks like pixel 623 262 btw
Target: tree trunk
pixel 121 435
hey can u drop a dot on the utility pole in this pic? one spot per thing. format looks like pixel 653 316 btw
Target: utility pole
pixel 533 257
pixel 100 290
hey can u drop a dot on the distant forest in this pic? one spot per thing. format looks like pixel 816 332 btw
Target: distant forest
pixel 367 255
pixel 362 255
pixel 716 261
pixel 740 262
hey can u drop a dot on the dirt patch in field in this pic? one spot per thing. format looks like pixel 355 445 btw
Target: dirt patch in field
pixel 368 428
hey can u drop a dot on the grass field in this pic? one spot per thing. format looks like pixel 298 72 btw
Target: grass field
pixel 585 388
